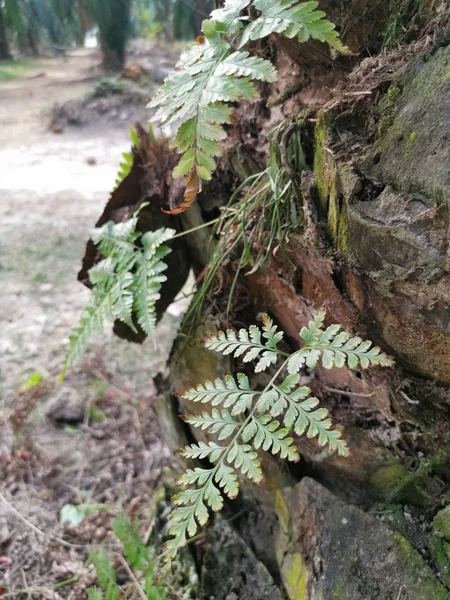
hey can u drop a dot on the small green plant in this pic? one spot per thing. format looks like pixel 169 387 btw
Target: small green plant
pixel 251 420
pixel 109 86
pixel 137 563
pixel 216 72
pixel 127 280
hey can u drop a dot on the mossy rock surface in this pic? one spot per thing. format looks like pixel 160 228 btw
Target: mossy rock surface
pixel 338 552
pixel 414 152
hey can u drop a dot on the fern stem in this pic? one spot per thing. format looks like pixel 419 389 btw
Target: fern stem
pixel 192 229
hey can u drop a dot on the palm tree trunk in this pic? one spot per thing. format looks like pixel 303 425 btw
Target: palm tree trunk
pixel 83 24
pixel 4 46
pixel 113 58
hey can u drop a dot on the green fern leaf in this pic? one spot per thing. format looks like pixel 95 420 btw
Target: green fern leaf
pixel 220 422
pixel 301 416
pixel 226 478
pixel 248 344
pixel 285 402
pixel 128 278
pixel 212 74
pixel 105 573
pixel 230 14
pixel 95 593
pixel 293 19
pixel 211 450
pixel 268 435
pixel 230 393
pixel 336 349
pixel 136 552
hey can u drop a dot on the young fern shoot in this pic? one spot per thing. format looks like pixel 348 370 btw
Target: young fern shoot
pixel 247 420
pixel 126 281
pixel 216 72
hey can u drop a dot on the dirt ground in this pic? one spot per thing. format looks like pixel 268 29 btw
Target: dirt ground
pixel 91 439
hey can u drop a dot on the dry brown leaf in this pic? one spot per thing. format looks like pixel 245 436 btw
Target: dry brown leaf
pixel 193 188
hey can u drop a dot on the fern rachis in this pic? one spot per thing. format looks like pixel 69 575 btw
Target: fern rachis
pixel 216 72
pixel 259 419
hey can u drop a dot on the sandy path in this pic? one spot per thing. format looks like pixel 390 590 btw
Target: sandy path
pixel 50 197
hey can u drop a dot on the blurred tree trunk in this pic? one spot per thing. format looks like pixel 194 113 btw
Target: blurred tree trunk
pixel 113 57
pixel 113 20
pixel 4 46
pixel 83 24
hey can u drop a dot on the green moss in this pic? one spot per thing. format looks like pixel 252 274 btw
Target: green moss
pixel 338 593
pixel 409 489
pixel 295 577
pixel 282 512
pixel 441 554
pixel 344 244
pixel 333 210
pixel 410 143
pixel 441 522
pixel 440 542
pixel 388 109
pixel 429 588
pixel 387 479
pixel 321 163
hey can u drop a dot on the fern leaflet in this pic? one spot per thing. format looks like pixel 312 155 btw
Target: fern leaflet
pixel 215 73
pixel 258 419
pixel 128 280
pixel 105 573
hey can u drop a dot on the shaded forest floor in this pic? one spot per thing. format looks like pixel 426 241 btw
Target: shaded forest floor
pixel 92 439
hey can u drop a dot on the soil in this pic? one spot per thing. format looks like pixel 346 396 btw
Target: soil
pixel 91 439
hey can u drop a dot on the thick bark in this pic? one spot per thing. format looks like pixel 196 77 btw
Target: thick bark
pixel 4 46
pixel 373 249
pixel 113 57
pixel 374 252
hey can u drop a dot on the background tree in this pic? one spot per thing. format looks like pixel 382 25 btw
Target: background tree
pixel 4 46
pixel 113 20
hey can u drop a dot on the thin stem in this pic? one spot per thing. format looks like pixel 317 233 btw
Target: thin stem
pixel 132 576
pixel 202 226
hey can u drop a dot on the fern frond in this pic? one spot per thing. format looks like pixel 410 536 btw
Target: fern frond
pixel 212 74
pixel 105 573
pixel 128 279
pixel 336 349
pixel 270 416
pixel 148 278
pixel 292 19
pixel 115 303
pixel 248 344
pixel 196 98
